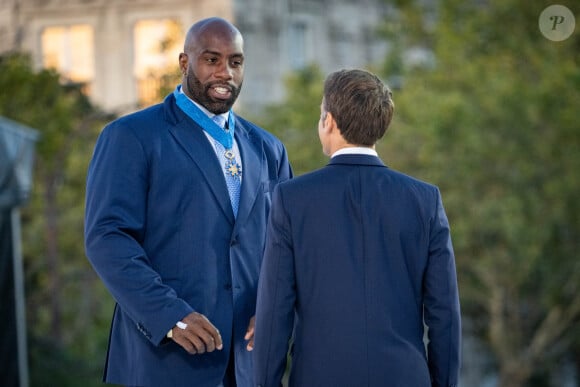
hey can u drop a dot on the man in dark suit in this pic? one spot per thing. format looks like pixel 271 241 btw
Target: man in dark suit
pixel 358 258
pixel 176 213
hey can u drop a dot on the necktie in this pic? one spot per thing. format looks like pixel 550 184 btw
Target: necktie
pixel 219 120
pixel 232 170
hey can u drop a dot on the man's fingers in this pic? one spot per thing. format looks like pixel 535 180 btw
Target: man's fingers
pixel 192 343
pixel 250 346
pixel 208 332
pixel 201 333
pixel 198 344
pixel 209 341
pixel 185 343
pixel 217 340
pixel 250 334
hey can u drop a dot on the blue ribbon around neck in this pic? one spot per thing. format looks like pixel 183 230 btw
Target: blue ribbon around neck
pixel 226 138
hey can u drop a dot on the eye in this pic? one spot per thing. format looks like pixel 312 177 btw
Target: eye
pixel 237 62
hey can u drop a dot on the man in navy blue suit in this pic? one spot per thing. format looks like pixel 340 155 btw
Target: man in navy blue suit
pixel 177 202
pixel 358 261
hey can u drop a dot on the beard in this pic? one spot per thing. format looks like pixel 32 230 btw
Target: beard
pixel 199 92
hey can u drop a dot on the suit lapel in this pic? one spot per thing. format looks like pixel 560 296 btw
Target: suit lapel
pixel 196 144
pixel 252 166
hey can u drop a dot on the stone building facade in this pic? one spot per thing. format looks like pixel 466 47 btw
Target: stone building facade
pixel 110 32
pixel 101 43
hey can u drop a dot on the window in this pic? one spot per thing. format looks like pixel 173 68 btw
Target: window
pixel 157 48
pixel 70 51
pixel 297 40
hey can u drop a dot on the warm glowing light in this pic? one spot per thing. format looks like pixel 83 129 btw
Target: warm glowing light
pixel 70 51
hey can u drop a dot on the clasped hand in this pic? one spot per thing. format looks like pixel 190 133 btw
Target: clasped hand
pixel 200 335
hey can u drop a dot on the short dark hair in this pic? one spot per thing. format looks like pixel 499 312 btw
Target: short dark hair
pixel 361 105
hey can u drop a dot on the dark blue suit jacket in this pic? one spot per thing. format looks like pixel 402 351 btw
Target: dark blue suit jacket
pixel 161 233
pixel 357 258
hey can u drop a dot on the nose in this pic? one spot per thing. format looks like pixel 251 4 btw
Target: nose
pixel 224 71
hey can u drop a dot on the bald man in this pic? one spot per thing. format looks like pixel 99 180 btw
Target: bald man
pixel 178 196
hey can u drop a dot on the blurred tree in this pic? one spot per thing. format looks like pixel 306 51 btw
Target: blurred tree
pixel 493 121
pixel 171 73
pixel 295 121
pixel 67 323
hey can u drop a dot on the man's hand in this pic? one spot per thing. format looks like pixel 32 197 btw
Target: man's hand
pixel 250 334
pixel 199 336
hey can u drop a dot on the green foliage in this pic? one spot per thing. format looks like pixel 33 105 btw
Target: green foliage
pixel 495 125
pixel 295 121
pixel 68 310
pixel 53 366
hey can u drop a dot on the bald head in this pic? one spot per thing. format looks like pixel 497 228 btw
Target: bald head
pixel 213 27
pixel 212 64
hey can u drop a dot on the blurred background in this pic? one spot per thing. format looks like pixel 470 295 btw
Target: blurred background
pixel 487 96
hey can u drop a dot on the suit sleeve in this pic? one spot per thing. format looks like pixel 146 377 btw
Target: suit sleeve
pixel 276 298
pixel 285 171
pixel 441 303
pixel 116 198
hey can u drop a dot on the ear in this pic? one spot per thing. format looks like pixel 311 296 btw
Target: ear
pixel 183 63
pixel 329 123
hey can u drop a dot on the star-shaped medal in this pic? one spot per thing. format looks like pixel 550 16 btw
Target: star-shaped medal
pixel 233 168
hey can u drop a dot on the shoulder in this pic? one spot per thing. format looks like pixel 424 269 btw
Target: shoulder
pixel 254 131
pixel 389 179
pixel 151 116
pixel 138 123
pixel 410 186
pixel 408 179
pixel 314 181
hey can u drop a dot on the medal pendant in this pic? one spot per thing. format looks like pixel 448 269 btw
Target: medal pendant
pixel 232 167
pixel 229 154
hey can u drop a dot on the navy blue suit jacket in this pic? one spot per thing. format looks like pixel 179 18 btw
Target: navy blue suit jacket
pixel 358 257
pixel 161 233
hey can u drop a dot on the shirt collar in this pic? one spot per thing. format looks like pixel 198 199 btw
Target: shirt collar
pixel 356 150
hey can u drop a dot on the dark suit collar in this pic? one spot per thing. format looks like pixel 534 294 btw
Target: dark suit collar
pixel 356 159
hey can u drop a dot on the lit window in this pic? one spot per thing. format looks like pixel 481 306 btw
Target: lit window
pixel 157 48
pixel 70 51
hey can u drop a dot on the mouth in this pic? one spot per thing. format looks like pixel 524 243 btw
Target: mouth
pixel 220 92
